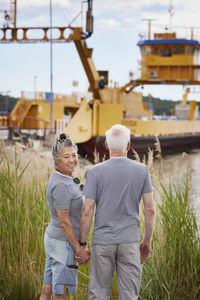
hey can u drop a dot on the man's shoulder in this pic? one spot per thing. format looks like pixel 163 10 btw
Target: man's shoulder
pixel 136 163
pixel 100 165
pixel 110 162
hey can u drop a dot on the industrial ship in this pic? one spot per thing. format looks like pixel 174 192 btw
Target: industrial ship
pixel 165 60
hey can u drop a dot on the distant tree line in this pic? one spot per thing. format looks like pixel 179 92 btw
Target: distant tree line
pixel 160 107
pixel 163 107
pixel 7 103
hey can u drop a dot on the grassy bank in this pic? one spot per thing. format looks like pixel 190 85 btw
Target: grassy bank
pixel 172 272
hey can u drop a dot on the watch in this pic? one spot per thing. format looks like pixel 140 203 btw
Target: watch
pixel 82 244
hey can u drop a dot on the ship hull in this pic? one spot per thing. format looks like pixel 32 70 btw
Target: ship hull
pixel 170 144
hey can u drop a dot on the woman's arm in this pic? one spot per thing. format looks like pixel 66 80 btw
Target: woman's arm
pixel 63 216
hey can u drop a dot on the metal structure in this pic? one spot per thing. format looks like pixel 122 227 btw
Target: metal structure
pixel 65 34
pixel 166 59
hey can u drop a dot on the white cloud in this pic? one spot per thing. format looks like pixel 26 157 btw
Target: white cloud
pixel 111 23
pixel 122 17
pixel 115 11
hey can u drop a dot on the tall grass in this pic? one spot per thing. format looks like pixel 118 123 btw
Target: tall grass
pixel 23 216
pixel 171 273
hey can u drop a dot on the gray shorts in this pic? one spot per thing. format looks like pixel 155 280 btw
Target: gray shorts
pixel 105 258
pixel 58 268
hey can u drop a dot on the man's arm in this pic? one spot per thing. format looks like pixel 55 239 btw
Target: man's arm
pixel 149 209
pixel 86 219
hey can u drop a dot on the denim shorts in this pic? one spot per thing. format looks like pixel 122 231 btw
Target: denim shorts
pixel 59 256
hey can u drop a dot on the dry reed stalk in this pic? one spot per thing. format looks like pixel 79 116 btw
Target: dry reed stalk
pixel 144 160
pixel 159 152
pixel 184 155
pixel 150 160
pixel 135 155
pixel 2 144
pixel 96 157
pixel 82 170
pixel 157 147
pixel 40 162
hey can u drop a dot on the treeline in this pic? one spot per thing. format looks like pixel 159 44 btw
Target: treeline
pixel 163 107
pixel 7 103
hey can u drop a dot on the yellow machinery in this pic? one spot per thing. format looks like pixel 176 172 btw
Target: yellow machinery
pixel 165 60
pixel 109 105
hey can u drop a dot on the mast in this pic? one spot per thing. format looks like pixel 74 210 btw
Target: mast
pixel 51 68
pixel 171 13
pixel 149 26
pixel 15 13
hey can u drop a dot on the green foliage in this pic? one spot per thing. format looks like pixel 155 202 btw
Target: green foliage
pixel 173 272
pixel 162 106
pixel 7 103
pixel 24 216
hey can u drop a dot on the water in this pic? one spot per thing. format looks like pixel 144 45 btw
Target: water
pixel 195 175
pixel 177 166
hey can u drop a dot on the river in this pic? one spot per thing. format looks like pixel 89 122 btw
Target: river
pixel 177 166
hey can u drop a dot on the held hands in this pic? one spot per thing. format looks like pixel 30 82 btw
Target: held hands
pixel 82 255
pixel 145 250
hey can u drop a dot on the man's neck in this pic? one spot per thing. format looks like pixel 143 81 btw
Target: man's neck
pixel 117 154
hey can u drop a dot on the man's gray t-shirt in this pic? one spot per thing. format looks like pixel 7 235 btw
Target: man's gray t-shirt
pixel 117 186
pixel 63 193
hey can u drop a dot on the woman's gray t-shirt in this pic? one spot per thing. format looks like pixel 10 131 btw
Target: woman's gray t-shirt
pixel 63 193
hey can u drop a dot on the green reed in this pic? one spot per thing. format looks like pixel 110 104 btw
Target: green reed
pixel 172 272
pixel 23 216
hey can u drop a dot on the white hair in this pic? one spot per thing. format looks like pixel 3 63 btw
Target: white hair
pixel 117 138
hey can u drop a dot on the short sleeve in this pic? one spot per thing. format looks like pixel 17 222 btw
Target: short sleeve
pixel 147 187
pixel 90 187
pixel 62 197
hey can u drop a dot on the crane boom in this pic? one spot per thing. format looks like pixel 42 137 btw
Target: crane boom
pixel 76 35
pixel 90 69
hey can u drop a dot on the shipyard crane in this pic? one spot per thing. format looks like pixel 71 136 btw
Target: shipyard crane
pixel 166 59
pixel 11 33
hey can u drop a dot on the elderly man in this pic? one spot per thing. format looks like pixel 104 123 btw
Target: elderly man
pixel 116 187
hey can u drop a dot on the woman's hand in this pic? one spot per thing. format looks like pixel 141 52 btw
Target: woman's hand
pixel 82 255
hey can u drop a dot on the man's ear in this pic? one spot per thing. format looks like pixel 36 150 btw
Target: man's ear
pixel 128 146
pixel 106 145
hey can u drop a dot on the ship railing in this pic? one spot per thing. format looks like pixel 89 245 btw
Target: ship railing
pixel 185 33
pixel 4 121
pixel 35 126
pixel 42 96
pixel 60 125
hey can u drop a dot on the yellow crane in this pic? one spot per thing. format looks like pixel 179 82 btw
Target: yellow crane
pixel 166 59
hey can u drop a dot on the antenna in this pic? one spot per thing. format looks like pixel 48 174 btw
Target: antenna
pixel 192 30
pixel 171 11
pixel 149 26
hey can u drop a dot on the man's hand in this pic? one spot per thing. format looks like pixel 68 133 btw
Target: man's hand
pixel 82 255
pixel 145 250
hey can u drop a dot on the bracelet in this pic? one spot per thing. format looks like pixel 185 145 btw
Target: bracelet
pixel 82 244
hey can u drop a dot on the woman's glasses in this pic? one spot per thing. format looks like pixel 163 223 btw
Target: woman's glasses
pixel 77 181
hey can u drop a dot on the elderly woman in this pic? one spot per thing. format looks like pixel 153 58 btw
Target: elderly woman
pixel 65 203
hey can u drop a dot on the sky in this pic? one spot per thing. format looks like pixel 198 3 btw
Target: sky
pixel 117 27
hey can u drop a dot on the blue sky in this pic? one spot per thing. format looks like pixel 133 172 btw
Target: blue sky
pixel 117 24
